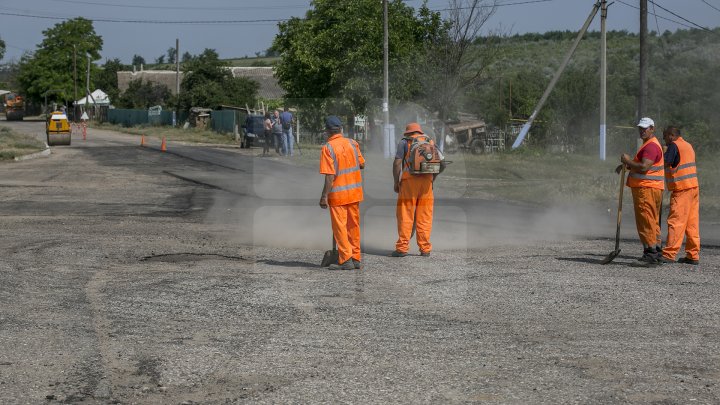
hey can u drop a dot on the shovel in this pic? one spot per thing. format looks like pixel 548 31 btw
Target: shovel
pixel 616 252
pixel 331 256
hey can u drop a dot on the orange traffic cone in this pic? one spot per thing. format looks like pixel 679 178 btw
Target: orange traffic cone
pixel 142 140
pixel 163 145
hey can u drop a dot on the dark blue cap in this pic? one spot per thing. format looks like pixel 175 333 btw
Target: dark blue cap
pixel 333 122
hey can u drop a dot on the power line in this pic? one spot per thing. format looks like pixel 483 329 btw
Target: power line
pixel 658 16
pixel 654 3
pixel 704 1
pixel 178 7
pixel 205 22
pixel 179 22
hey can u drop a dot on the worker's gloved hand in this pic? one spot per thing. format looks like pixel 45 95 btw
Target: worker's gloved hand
pixel 323 202
pixel 619 168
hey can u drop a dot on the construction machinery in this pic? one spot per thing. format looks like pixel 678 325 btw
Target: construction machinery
pixel 14 107
pixel 57 129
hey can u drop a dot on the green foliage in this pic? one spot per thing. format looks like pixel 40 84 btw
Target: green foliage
pixel 50 67
pixel 142 94
pixel 2 48
pixel 208 83
pixel 335 52
pixel 683 86
pixel 171 52
pixel 107 78
pixel 137 60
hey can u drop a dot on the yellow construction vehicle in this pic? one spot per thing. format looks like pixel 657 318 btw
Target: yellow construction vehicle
pixel 14 107
pixel 57 129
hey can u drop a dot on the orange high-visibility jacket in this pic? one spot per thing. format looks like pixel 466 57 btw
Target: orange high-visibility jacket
pixel 406 160
pixel 654 177
pixel 684 176
pixel 340 156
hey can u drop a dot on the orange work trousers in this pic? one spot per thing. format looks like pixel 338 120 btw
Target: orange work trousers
pixel 646 202
pixel 684 221
pixel 345 221
pixel 415 205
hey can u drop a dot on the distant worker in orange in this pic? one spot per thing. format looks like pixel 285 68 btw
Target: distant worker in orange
pixel 414 176
pixel 341 162
pixel 682 181
pixel 647 182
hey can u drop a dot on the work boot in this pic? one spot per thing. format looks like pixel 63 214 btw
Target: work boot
pixel 425 254
pixel 665 260
pixel 647 260
pixel 398 254
pixel 687 260
pixel 348 265
pixel 357 264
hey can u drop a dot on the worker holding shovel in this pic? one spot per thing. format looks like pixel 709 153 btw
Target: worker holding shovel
pixel 647 182
pixel 341 162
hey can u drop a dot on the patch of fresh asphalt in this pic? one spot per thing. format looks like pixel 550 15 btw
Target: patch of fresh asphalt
pixel 120 284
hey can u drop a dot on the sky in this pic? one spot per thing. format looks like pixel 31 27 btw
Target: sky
pixel 248 27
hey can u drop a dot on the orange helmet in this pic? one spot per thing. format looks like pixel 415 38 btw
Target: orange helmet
pixel 412 128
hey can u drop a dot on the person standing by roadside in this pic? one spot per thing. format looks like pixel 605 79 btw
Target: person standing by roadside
pixel 277 131
pixel 646 181
pixel 286 118
pixel 341 162
pixel 682 181
pixel 267 126
pixel 415 196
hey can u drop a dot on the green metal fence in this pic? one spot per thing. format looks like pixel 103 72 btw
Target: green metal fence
pixel 224 120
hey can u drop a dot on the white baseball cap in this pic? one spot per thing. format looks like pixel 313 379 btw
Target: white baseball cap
pixel 646 123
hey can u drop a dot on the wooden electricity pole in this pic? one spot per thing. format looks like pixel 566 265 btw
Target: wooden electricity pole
pixel 643 59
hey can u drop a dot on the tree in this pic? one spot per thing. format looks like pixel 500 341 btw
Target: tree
pixel 50 68
pixel 186 57
pixel 329 54
pixel 138 60
pixel 160 59
pixel 171 52
pixel 208 83
pixel 457 59
pixel 2 48
pixel 107 79
pixel 144 94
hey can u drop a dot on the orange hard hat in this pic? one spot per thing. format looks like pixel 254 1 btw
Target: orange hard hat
pixel 412 128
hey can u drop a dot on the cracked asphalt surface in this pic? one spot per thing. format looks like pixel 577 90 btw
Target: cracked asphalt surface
pixel 132 276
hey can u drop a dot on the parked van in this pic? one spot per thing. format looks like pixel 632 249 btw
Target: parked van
pixel 57 129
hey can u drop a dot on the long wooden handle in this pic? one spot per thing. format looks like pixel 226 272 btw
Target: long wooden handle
pixel 620 203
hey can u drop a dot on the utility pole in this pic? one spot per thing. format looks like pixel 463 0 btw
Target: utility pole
pixel 177 80
pixel 603 78
pixel 388 129
pixel 526 128
pixel 643 58
pixel 74 82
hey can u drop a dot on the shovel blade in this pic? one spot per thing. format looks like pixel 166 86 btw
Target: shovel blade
pixel 330 257
pixel 610 257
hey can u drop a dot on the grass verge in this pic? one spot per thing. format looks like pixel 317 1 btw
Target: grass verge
pixel 13 144
pixel 173 134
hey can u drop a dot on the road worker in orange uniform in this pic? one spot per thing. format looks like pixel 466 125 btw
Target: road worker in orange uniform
pixel 341 162
pixel 415 198
pixel 647 182
pixel 682 181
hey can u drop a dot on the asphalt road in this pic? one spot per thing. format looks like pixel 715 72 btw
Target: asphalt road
pixel 129 275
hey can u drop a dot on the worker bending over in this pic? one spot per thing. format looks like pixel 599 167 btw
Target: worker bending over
pixel 682 181
pixel 341 162
pixel 647 182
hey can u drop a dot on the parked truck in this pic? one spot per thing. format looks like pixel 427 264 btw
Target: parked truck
pixel 14 107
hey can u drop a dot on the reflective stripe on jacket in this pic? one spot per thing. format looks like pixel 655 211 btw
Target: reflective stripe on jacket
pixel 347 186
pixel 654 177
pixel 684 176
